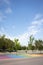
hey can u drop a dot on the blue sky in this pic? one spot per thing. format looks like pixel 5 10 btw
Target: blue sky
pixel 21 18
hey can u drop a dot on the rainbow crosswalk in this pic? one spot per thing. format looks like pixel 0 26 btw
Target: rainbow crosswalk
pixel 8 56
pixel 4 57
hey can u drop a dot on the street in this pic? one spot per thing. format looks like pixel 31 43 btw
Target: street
pixel 26 61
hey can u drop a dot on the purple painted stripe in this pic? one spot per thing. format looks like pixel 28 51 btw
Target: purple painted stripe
pixel 4 57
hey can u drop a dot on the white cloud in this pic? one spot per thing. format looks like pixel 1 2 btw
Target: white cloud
pixel 33 32
pixel 33 29
pixel 2 17
pixel 37 22
pixel 24 38
pixel 7 2
pixel 8 10
pixel 2 30
pixel 37 16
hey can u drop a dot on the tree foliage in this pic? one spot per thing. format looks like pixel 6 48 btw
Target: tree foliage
pixel 39 44
pixel 6 44
pixel 17 44
pixel 30 43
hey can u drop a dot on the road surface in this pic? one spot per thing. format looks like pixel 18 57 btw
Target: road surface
pixel 27 61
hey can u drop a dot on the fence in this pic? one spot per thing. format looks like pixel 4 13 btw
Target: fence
pixel 30 51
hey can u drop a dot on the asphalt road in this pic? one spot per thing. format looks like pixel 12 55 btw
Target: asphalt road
pixel 27 61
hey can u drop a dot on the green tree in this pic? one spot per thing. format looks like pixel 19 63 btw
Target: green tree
pixel 30 43
pixel 23 47
pixel 6 43
pixel 39 44
pixel 17 44
pixel 31 39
